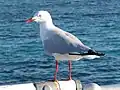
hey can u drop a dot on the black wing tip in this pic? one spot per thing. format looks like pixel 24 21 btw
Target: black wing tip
pixel 100 54
pixel 92 52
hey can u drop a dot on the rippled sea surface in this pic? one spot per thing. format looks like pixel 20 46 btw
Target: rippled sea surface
pixel 94 22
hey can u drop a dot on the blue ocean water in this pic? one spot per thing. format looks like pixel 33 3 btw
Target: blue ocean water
pixel 94 22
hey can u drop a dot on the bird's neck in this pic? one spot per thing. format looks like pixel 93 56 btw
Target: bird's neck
pixel 45 27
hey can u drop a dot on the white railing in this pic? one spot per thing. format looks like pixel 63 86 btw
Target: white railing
pixel 60 85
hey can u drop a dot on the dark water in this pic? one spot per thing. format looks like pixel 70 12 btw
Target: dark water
pixel 94 22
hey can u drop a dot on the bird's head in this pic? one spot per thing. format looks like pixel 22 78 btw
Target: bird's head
pixel 40 17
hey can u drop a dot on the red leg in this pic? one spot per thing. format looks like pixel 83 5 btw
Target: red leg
pixel 56 70
pixel 70 67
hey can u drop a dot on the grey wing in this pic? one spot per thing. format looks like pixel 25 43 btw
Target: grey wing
pixel 64 42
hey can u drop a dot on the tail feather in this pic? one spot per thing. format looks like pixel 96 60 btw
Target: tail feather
pixel 90 52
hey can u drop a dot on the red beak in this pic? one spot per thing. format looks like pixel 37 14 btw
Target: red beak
pixel 29 20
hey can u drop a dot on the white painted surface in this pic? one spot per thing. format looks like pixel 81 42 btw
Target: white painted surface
pixel 111 87
pixel 57 85
pixel 60 85
pixel 92 86
pixel 67 85
pixel 29 86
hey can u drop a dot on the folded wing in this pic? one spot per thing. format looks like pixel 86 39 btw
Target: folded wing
pixel 63 42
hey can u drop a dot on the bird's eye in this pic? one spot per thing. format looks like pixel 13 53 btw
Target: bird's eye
pixel 39 15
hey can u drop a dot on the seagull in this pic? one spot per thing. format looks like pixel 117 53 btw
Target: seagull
pixel 60 44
